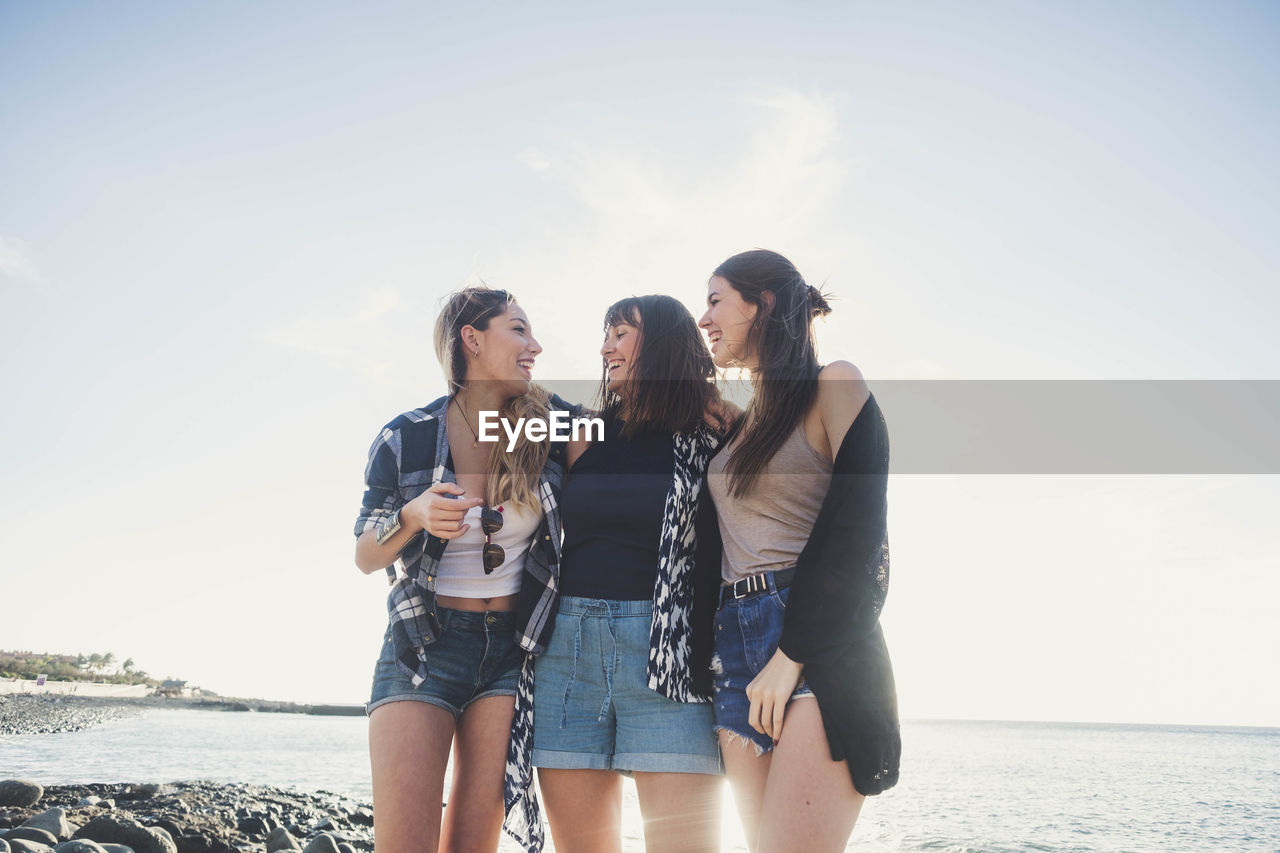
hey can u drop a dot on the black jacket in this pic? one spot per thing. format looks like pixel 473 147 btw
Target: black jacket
pixel 832 622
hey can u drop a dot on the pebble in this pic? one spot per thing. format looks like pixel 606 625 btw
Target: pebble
pixel 125 830
pixel 281 839
pixel 80 845
pixel 53 821
pixel 21 845
pixel 322 843
pixel 31 833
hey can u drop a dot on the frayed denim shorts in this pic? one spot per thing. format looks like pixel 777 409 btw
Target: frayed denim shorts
pixel 593 709
pixel 747 634
pixel 474 657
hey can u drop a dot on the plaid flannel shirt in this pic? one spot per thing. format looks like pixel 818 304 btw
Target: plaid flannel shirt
pixel 409 456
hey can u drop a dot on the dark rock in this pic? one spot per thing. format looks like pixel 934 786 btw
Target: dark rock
pixel 281 839
pixel 4 846
pixel 363 816
pixel 78 846
pixel 344 847
pixel 53 821
pixel 168 826
pixel 90 800
pixel 254 827
pixel 124 830
pixel 32 833
pixel 116 848
pixel 193 843
pixel 323 826
pixel 322 843
pixel 20 792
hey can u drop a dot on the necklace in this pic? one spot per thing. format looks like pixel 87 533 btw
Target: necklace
pixel 467 421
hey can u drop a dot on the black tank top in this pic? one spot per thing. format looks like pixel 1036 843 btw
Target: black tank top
pixel 611 508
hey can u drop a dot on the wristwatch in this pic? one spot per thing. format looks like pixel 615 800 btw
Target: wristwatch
pixel 388 528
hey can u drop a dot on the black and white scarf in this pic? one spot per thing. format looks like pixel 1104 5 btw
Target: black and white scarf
pixel 669 634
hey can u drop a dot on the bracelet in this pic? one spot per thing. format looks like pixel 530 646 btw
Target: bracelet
pixel 390 527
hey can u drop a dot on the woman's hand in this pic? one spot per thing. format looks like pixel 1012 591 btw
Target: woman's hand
pixel 439 513
pixel 769 693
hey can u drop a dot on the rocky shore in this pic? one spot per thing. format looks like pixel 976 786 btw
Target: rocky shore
pixel 45 714
pixel 23 714
pixel 182 817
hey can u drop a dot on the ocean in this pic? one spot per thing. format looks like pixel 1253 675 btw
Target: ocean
pixel 967 787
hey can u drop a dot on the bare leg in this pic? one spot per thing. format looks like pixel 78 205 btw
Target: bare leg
pixel 584 808
pixel 748 773
pixel 810 803
pixel 473 820
pixel 681 811
pixel 408 751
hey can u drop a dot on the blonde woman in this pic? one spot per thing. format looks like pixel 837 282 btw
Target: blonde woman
pixel 474 532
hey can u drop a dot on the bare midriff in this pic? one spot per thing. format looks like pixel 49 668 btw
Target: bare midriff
pixel 478 605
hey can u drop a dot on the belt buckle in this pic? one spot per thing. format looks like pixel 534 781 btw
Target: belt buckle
pixel 751 583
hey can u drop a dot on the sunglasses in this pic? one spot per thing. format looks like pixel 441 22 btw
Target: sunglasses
pixel 493 554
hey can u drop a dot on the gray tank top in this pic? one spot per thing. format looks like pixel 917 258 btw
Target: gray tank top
pixel 767 529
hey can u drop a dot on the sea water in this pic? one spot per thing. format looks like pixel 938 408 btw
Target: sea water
pixel 966 787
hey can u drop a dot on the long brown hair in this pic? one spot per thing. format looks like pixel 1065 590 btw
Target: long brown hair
pixel 513 477
pixel 781 341
pixel 671 383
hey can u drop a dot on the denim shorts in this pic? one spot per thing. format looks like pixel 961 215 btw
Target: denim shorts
pixel 475 656
pixel 747 634
pixel 593 709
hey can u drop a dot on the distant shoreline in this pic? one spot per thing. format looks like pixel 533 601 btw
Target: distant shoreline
pixel 40 713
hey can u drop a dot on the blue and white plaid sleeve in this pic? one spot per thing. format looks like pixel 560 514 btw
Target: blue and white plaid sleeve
pixel 382 482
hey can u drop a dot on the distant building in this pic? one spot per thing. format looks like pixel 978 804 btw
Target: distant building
pixel 173 689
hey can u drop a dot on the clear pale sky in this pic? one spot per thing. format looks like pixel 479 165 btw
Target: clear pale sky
pixel 224 231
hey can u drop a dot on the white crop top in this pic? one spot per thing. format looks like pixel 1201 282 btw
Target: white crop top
pixel 461 572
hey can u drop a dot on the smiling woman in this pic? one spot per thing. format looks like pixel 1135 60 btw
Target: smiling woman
pixel 805 704
pixel 624 685
pixel 469 597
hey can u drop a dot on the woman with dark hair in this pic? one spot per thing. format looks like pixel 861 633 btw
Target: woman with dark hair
pixel 475 534
pixel 624 686
pixel 805 702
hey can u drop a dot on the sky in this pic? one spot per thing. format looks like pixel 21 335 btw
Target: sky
pixel 225 231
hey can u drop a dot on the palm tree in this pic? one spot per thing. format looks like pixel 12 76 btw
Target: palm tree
pixel 108 659
pixel 95 662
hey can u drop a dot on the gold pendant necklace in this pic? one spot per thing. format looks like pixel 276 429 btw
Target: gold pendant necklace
pixel 467 421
